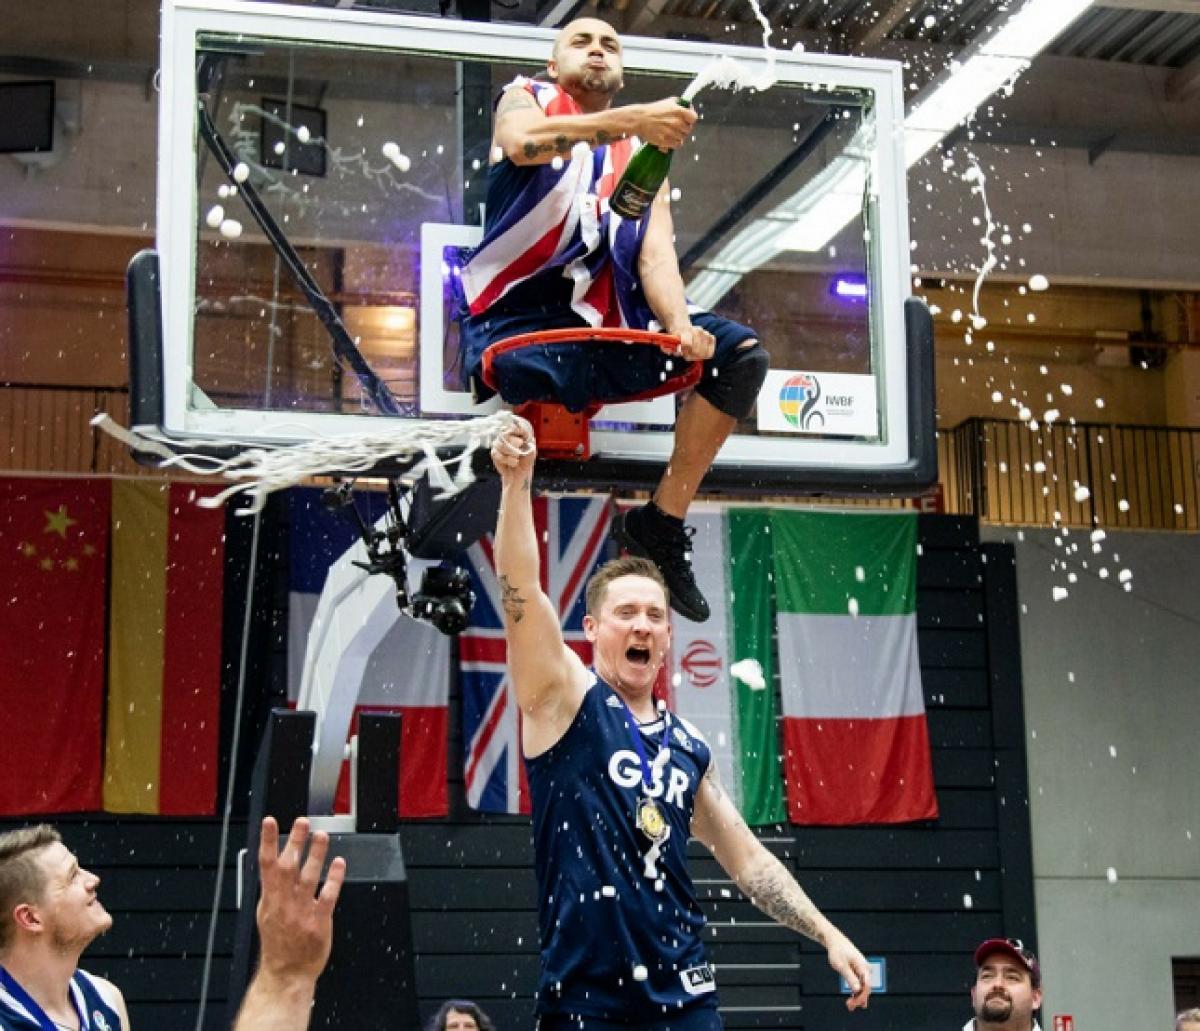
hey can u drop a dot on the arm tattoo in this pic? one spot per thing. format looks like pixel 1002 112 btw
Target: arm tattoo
pixel 773 890
pixel 511 600
pixel 768 884
pixel 513 99
pixel 563 144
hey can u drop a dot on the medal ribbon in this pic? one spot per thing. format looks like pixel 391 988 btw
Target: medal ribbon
pixel 650 859
pixel 639 745
pixel 29 1003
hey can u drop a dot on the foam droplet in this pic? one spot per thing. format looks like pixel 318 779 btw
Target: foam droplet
pixel 1038 282
pixel 303 135
pixel 241 171
pixel 750 673
pixel 1111 873
pixel 1082 493
pixel 852 607
pixel 231 229
pixel 215 216
pixel 640 973
pixel 1058 593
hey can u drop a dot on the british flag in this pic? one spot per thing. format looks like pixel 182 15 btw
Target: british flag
pixel 572 533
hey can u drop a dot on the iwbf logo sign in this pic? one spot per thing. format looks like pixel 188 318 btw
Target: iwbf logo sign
pixel 834 403
pixel 798 399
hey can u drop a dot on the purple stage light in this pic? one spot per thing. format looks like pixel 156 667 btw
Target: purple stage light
pixel 852 288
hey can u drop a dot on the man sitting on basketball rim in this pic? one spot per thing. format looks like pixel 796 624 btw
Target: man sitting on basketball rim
pixel 554 256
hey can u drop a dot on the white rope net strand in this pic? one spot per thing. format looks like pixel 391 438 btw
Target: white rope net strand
pixel 266 468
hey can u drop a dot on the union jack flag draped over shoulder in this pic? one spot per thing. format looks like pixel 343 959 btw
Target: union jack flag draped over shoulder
pixel 560 219
pixel 571 532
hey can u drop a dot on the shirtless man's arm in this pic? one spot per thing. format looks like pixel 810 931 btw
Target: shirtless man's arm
pixel 526 135
pixel 658 269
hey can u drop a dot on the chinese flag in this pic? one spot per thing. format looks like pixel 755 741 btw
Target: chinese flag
pixel 53 564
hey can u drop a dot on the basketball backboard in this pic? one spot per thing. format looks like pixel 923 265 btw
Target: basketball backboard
pixel 367 135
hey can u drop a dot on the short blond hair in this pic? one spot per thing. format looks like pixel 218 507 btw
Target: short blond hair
pixel 21 878
pixel 626 565
pixel 1191 1016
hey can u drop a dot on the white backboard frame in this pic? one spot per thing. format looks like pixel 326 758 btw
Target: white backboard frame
pixel 185 20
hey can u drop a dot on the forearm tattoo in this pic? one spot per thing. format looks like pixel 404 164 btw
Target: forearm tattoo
pixel 563 145
pixel 510 598
pixel 773 890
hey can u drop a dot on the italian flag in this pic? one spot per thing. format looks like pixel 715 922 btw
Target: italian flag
pixel 856 745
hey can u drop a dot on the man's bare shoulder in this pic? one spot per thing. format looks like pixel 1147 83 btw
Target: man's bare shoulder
pixel 516 98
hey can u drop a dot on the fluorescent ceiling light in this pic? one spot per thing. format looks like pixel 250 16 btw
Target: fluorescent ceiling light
pixel 798 224
pixel 955 100
pixel 1038 23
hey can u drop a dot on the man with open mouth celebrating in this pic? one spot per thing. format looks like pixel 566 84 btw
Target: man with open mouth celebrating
pixel 618 784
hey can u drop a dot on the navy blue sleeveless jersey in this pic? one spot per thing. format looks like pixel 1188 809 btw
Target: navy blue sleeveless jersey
pixel 616 943
pixel 98 1013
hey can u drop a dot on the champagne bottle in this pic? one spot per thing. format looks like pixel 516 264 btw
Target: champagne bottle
pixel 643 177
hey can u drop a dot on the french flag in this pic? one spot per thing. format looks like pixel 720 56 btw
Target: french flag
pixel 407 673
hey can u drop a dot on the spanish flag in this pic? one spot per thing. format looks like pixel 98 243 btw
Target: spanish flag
pixel 164 658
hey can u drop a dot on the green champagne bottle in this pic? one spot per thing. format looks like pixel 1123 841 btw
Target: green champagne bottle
pixel 642 180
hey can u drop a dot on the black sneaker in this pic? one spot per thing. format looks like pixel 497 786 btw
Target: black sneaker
pixel 670 548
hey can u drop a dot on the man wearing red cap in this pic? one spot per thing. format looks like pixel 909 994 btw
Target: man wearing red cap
pixel 1008 987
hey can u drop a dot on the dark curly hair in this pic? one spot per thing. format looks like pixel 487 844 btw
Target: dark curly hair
pixel 438 1023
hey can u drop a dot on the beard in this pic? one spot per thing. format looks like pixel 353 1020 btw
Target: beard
pixel 996 1009
pixel 605 82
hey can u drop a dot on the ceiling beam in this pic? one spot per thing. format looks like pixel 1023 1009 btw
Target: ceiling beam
pixel 1164 6
pixel 557 13
pixel 888 19
pixel 1182 82
pixel 648 13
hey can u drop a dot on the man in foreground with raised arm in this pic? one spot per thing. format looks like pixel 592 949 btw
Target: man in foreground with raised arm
pixel 50 913
pixel 618 784
pixel 554 256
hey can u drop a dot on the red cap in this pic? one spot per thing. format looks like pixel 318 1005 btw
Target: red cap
pixel 1015 949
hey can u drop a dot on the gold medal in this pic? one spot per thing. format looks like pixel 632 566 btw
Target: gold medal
pixel 651 821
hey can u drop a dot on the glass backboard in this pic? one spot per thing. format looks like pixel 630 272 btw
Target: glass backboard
pixel 364 137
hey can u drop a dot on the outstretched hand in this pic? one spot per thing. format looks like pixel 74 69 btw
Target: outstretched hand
pixel 853 966
pixel 295 921
pixel 514 451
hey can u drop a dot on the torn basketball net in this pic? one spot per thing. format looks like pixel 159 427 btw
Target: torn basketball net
pixel 265 468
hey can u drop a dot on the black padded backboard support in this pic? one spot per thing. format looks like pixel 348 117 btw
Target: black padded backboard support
pixel 377 800
pixel 144 293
